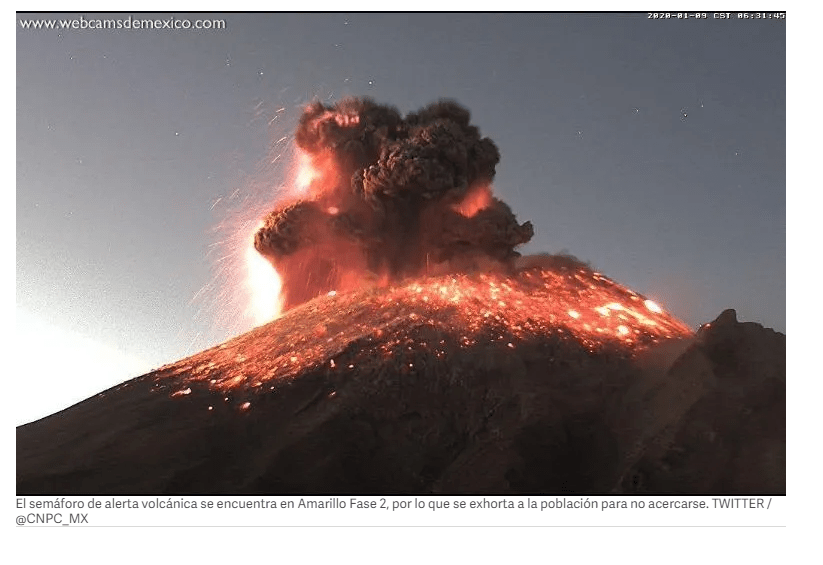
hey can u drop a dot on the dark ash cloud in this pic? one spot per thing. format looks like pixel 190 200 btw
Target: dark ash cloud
pixel 392 197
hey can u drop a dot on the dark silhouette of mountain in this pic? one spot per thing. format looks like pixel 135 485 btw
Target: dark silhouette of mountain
pixel 443 387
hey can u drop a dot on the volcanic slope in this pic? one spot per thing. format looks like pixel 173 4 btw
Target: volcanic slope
pixel 551 380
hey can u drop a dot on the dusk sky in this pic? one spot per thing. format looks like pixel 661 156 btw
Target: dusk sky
pixel 655 150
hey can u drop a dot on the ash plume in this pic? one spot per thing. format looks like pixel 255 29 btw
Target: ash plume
pixel 389 197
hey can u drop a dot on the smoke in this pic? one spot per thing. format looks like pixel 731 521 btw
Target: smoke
pixel 388 197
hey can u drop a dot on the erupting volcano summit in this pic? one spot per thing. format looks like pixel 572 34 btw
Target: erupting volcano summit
pixel 384 197
pixel 419 352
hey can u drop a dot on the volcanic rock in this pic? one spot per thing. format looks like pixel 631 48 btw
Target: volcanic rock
pixel 732 436
pixel 405 391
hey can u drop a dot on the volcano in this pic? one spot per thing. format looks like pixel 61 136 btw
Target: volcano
pixel 419 352
pixel 553 379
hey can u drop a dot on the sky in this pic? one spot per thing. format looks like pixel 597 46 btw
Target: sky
pixel 655 150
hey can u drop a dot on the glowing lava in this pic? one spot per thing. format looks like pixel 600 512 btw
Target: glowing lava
pixel 381 327
pixel 592 308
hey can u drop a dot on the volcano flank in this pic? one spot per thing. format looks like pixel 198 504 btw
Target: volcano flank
pixel 418 352
pixel 406 391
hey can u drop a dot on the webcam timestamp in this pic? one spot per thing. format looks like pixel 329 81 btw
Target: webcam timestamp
pixel 716 15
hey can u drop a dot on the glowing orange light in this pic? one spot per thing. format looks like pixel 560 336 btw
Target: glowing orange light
pixel 591 309
pixel 346 121
pixel 476 200
pixel 652 306
pixel 263 284
pixel 306 173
